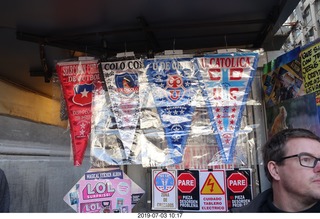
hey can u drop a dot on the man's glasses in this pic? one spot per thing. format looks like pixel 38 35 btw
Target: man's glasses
pixel 305 159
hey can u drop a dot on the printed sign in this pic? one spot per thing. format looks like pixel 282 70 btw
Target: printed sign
pixel 112 174
pixel 188 190
pixel 239 187
pixel 213 191
pixel 310 57
pixel 164 190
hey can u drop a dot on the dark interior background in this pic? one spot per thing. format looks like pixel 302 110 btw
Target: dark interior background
pixel 34 34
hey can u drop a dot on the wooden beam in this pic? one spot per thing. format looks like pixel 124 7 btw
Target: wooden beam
pixel 18 102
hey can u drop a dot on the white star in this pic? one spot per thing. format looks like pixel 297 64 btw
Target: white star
pixel 84 93
pixel 82 125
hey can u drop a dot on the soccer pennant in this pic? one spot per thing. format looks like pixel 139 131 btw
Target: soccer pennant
pixel 173 85
pixel 122 80
pixel 225 80
pixel 78 80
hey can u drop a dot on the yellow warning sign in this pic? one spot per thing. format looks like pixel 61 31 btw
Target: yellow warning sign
pixel 211 186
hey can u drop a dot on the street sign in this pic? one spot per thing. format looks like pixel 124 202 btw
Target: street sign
pixel 237 182
pixel 186 182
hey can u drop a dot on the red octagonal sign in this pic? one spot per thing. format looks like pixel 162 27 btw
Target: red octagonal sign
pixel 237 182
pixel 186 182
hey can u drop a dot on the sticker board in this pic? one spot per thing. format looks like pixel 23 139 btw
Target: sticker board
pixel 73 196
pixel 96 195
pixel 164 190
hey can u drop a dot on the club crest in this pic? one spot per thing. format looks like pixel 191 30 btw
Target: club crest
pixel 175 88
pixel 83 94
pixel 127 83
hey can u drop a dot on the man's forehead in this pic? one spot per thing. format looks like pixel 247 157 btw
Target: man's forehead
pixel 298 145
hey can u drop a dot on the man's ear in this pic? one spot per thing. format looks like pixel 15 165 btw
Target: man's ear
pixel 273 170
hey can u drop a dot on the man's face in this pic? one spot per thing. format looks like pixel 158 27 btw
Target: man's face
pixel 299 181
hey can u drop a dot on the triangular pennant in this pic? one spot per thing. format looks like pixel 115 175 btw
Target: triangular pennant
pixel 226 80
pixel 173 85
pixel 122 80
pixel 79 79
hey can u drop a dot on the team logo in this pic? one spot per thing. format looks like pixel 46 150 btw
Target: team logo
pixel 127 83
pixel 164 181
pixel 83 94
pixel 175 87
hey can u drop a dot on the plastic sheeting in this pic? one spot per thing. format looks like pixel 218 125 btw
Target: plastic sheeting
pixel 163 112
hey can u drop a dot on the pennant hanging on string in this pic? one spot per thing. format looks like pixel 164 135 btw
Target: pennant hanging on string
pixel 122 80
pixel 226 80
pixel 78 80
pixel 173 86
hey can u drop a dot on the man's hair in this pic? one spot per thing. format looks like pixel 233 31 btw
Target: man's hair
pixel 274 149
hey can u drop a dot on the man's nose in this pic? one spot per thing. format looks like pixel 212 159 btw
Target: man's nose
pixel 317 166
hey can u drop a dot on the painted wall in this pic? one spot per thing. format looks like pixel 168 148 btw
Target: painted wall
pixel 36 160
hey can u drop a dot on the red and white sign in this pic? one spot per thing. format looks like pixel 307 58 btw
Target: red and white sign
pixel 237 182
pixel 186 182
pixel 213 193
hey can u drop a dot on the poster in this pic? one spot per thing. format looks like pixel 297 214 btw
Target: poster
pixel 282 79
pixel 164 190
pixel 301 112
pixel 310 61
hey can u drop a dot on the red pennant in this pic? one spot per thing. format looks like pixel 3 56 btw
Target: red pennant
pixel 79 79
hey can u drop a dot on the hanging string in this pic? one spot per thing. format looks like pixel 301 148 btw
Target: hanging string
pixel 125 49
pixel 225 41
pixel 174 45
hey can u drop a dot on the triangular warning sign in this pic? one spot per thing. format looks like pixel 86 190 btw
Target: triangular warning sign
pixel 211 186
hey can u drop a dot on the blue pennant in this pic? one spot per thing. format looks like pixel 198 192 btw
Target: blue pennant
pixel 225 80
pixel 174 86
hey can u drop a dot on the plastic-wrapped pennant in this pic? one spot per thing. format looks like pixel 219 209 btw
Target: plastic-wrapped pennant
pixel 225 80
pixel 122 80
pixel 173 85
pixel 78 80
